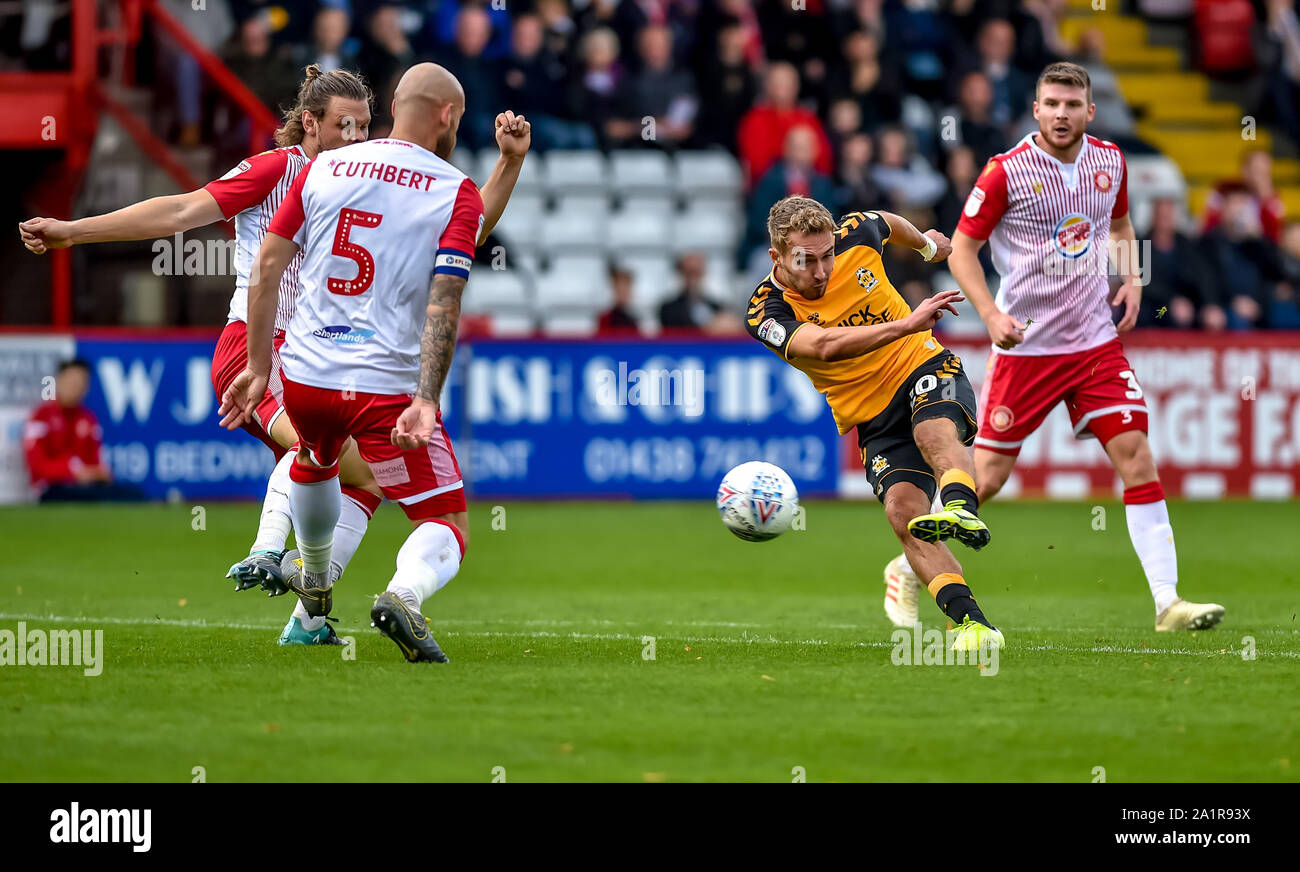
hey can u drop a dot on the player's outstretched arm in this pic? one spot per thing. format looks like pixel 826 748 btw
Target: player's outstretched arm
pixel 248 388
pixel 148 219
pixel 841 343
pixel 932 245
pixel 514 137
pixel 437 345
pixel 964 264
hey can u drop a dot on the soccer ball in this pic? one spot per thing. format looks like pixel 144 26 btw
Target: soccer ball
pixel 757 501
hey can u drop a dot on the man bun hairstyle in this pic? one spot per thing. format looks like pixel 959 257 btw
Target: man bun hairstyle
pixel 314 95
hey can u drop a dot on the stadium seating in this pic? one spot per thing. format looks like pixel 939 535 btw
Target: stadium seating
pixel 574 213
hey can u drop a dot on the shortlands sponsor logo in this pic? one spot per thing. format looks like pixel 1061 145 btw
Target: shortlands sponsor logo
pixel 77 825
pixel 343 334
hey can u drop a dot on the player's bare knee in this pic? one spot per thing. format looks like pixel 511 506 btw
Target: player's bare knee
pixel 902 506
pixel 1130 452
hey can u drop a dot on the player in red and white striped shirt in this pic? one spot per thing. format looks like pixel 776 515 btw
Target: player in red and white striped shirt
pixel 386 233
pixel 332 110
pixel 1049 208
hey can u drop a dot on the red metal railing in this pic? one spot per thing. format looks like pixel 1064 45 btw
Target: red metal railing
pixel 75 98
pixel 262 121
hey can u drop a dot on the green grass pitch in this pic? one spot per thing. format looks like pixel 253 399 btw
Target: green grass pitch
pixel 768 657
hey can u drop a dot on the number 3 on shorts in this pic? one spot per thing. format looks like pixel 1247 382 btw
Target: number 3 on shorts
pixel 1135 390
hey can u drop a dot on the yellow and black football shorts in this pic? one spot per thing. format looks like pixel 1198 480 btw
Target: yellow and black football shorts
pixel 937 388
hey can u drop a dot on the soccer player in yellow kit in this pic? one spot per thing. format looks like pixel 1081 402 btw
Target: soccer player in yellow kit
pixel 828 309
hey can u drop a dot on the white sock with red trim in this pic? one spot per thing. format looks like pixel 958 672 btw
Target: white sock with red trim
pixel 276 521
pixel 428 559
pixel 356 510
pixel 316 508
pixel 1153 540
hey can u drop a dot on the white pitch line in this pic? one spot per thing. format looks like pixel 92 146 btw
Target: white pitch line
pixel 744 639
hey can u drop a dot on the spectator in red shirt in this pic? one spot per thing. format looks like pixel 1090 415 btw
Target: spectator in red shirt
pixel 64 444
pixel 1257 180
pixel 619 319
pixel 762 131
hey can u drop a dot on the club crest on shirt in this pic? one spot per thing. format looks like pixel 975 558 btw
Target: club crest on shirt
pixel 1102 180
pixel 1037 186
pixel 866 278
pixel 1073 235
pixel 1001 419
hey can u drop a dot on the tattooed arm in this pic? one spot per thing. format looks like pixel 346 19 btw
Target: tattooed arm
pixel 437 344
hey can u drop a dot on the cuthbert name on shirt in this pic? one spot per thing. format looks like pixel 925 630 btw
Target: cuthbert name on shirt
pixel 402 176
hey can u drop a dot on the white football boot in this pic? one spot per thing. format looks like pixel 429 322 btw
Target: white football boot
pixel 1183 615
pixel 902 589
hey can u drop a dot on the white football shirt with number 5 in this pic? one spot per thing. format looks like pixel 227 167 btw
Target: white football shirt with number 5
pixel 376 221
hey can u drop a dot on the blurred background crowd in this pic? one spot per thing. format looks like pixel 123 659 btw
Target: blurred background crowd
pixel 890 104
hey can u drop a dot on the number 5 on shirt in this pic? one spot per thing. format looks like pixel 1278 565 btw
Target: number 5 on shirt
pixel 343 247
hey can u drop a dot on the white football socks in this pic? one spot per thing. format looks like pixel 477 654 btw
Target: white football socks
pixel 274 525
pixel 429 558
pixel 348 532
pixel 1153 540
pixel 309 623
pixel 316 512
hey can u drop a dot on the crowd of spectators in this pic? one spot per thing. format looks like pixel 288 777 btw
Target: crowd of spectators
pixel 892 104
pixel 1238 269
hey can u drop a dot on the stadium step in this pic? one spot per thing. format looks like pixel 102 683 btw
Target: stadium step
pixel 1120 31
pixel 1204 137
pixel 1144 89
pixel 1192 112
pixel 1150 58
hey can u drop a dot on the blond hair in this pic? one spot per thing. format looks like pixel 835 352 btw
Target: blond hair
pixel 796 215
pixel 1064 73
pixel 314 95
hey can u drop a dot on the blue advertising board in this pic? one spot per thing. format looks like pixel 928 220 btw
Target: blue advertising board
pixel 528 418
pixel 154 400
pixel 632 418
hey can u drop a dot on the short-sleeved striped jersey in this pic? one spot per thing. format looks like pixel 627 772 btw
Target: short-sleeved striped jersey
pixel 1048 224
pixel 250 193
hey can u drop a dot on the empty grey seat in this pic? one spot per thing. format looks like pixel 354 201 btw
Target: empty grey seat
pixel 491 290
pixel 702 173
pixel 577 224
pixel 576 172
pixel 641 172
pixel 573 282
pixel 569 324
